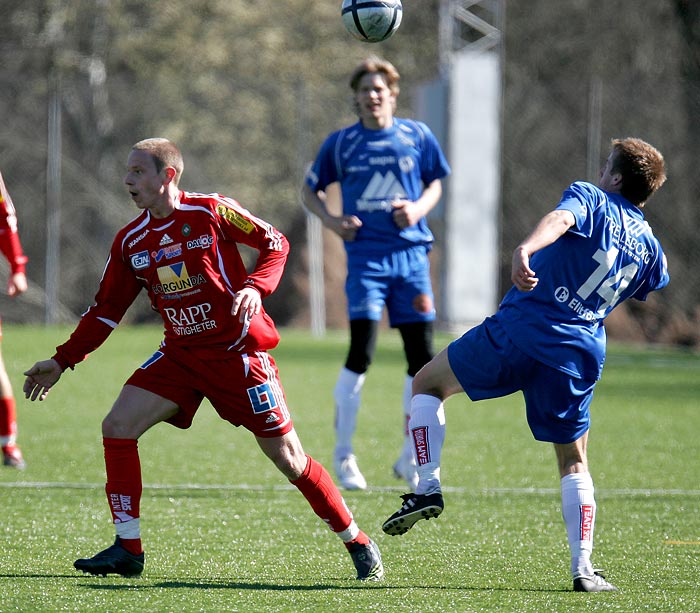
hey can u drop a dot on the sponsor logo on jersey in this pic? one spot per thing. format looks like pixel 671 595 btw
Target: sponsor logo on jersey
pixel 581 310
pixel 627 237
pixel 190 320
pixel 140 260
pixel 586 522
pixel 380 192
pixel 170 252
pixel 235 218
pixel 382 160
pixel 562 294
pixel 420 442
pixel 174 279
pixel 406 163
pixel 262 398
pixel 138 238
pixel 166 240
pixel 202 242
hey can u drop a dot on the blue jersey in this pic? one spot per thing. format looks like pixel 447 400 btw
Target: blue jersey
pixel 375 167
pixel 608 255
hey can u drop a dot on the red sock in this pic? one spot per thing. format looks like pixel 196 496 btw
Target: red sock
pixel 8 421
pixel 124 485
pixel 325 499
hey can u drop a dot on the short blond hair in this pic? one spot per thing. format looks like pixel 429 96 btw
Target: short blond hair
pixel 164 153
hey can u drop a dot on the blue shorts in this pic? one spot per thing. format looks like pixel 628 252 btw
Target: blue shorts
pixel 400 281
pixel 488 365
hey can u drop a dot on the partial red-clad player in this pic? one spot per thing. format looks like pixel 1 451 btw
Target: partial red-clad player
pixel 17 283
pixel 183 250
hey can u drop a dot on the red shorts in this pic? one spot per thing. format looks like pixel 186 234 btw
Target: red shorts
pixel 244 388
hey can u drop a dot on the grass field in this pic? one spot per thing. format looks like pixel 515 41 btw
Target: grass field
pixel 223 531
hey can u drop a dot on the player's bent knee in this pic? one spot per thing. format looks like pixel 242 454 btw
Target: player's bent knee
pixel 286 453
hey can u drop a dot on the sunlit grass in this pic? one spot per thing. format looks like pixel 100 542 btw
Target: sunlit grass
pixel 224 531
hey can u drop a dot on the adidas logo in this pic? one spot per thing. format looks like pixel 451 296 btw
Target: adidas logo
pixel 272 418
pixel 166 240
pixel 380 191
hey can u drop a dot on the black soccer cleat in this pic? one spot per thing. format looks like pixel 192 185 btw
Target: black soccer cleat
pixel 115 559
pixel 415 507
pixel 593 583
pixel 367 561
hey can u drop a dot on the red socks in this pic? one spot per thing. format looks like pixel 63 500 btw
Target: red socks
pixel 124 485
pixel 8 421
pixel 124 489
pixel 325 499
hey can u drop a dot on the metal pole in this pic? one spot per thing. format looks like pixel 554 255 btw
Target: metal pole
pixel 314 228
pixel 53 198
pixel 595 115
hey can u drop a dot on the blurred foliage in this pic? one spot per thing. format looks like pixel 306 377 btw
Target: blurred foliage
pixel 249 88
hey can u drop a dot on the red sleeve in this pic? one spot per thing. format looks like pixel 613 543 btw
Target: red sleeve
pixel 118 290
pixel 10 246
pixel 241 226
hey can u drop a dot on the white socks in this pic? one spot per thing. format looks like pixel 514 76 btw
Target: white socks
pixel 427 432
pixel 347 395
pixel 578 510
pixel 129 529
pixel 350 533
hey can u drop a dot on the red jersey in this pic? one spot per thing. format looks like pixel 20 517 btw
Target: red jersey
pixel 190 266
pixel 10 246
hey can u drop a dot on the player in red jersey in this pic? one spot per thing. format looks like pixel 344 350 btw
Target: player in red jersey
pixel 16 284
pixel 182 249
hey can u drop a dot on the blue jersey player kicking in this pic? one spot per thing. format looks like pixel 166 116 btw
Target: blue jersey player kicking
pixel 388 171
pixel 547 338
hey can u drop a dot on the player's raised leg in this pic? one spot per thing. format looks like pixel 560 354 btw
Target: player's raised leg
pixel 433 384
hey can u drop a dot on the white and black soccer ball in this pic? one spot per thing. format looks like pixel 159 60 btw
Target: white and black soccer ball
pixel 371 21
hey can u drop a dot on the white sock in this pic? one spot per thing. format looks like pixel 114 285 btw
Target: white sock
pixel 129 529
pixel 427 431
pixel 350 533
pixel 407 450
pixel 347 395
pixel 578 510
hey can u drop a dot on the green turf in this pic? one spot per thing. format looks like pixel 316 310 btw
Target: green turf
pixel 223 531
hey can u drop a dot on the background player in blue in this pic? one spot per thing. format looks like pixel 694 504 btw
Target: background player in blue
pixel 547 338
pixel 389 171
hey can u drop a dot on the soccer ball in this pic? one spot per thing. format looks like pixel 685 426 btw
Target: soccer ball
pixel 371 21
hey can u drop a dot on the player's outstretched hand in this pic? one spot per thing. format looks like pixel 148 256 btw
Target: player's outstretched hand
pixel 40 378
